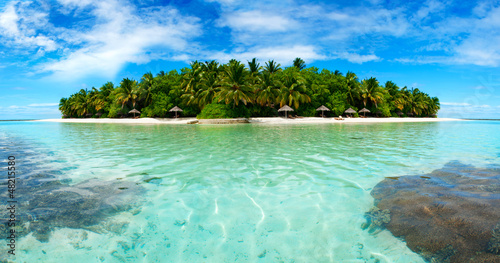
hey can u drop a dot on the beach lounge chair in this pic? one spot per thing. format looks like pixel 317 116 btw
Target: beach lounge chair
pixel 339 118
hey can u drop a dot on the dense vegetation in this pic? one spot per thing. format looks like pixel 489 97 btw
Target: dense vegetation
pixel 251 90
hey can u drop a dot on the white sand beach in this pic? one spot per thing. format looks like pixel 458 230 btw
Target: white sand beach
pixel 263 120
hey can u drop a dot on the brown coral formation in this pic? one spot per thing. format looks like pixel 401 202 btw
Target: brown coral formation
pixel 449 215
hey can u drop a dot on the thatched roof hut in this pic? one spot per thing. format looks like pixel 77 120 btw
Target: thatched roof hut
pixel 134 111
pixel 175 109
pixel 322 108
pixel 286 109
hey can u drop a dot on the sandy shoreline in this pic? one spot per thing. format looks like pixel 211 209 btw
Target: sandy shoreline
pixel 264 120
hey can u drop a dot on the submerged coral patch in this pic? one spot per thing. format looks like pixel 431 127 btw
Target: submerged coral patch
pixel 376 219
pixel 449 215
pixel 46 203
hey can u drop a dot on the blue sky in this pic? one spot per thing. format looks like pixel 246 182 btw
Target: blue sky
pixel 52 48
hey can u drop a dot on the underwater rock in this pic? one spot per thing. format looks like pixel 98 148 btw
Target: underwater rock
pixel 448 215
pixel 46 203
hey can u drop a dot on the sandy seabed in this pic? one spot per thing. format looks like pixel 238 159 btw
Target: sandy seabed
pixel 263 120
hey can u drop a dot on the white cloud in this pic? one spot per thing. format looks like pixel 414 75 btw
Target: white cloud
pixel 43 104
pixel 455 104
pixel 282 54
pixel 257 21
pixel 24 35
pixel 357 58
pixel 125 36
pixel 121 34
pixel 431 6
pixel 479 87
pixel 28 112
pixel 222 2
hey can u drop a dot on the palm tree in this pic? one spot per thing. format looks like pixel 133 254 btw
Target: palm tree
pixel 370 90
pixel 211 66
pixel 64 107
pixel 208 88
pixel 146 88
pixel 434 106
pixel 292 91
pixel 299 63
pixel 190 81
pixel 269 88
pixel 127 92
pixel 417 102
pixel 81 103
pixel 235 85
pixel 97 101
pixel 253 66
pixel 352 86
pixel 401 98
pixel 272 67
pixel 192 77
pixel 391 88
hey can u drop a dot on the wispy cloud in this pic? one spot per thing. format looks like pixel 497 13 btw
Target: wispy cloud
pixel 257 20
pixel 455 104
pixel 357 58
pixel 100 38
pixel 43 104
pixel 465 104
pixel 18 24
pixel 281 54
pixel 122 33
pixel 29 111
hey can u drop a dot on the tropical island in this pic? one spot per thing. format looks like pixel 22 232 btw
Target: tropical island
pixel 211 90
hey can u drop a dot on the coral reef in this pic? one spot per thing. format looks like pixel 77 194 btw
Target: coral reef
pixel 448 215
pixel 46 203
pixel 376 219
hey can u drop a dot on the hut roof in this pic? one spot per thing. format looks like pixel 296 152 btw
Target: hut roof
pixel 285 108
pixel 175 109
pixel 350 110
pixel 322 108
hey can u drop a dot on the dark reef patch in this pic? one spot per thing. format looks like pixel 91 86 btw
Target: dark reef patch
pixel 449 215
pixel 46 202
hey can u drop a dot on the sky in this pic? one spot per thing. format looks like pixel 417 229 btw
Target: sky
pixel 50 49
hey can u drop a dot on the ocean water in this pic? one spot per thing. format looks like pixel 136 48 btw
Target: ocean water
pixel 228 193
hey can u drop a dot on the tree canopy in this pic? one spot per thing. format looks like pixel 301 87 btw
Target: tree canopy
pixel 261 90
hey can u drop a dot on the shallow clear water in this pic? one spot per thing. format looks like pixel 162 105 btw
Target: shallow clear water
pixel 266 193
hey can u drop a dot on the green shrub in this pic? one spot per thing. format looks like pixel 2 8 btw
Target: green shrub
pixel 223 111
pixel 305 110
pixel 262 111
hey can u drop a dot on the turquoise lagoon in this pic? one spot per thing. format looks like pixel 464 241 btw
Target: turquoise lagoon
pixel 237 193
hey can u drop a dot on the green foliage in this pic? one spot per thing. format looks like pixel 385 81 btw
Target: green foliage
pixel 160 104
pixel 223 111
pixel 306 110
pixel 337 103
pixel 252 90
pixel 262 111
